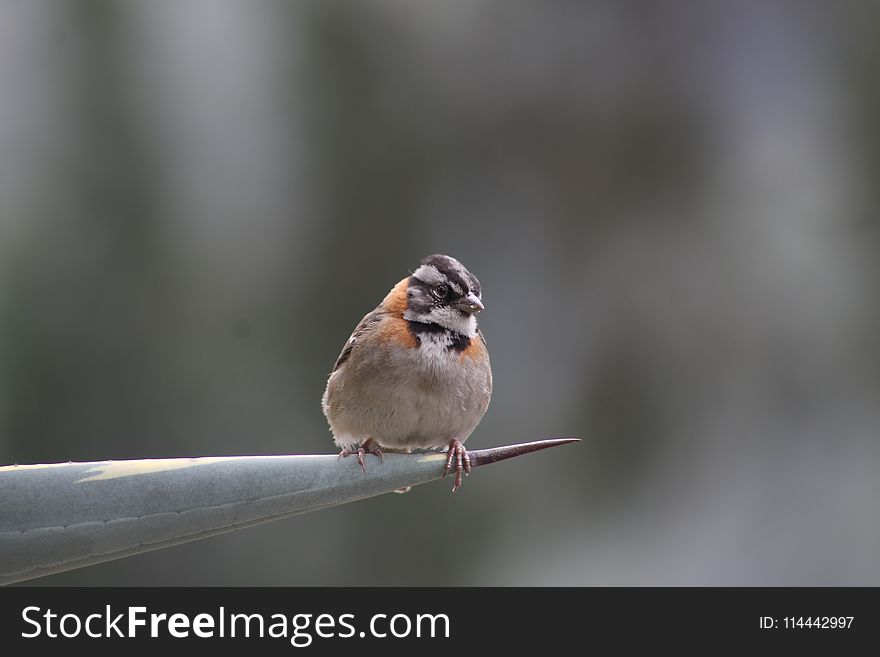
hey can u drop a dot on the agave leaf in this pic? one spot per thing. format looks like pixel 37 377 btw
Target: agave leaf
pixel 61 516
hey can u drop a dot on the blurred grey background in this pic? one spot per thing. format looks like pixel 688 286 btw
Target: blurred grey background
pixel 672 207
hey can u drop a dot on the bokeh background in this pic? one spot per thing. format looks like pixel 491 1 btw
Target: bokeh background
pixel 672 207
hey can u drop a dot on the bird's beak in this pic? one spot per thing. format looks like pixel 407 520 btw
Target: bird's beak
pixel 470 304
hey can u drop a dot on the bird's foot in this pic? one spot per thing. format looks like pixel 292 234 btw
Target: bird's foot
pixel 370 446
pixel 458 460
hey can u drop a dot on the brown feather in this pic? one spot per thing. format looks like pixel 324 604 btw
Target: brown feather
pixel 395 301
pixel 395 329
pixel 476 350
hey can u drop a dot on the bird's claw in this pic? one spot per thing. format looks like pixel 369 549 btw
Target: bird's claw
pixel 459 454
pixel 370 446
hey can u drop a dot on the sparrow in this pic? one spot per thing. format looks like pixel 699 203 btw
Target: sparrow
pixel 415 373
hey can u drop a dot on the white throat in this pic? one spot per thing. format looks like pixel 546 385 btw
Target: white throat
pixel 448 318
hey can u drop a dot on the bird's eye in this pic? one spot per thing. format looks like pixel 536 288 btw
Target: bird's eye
pixel 441 291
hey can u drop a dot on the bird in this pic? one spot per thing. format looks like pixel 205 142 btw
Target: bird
pixel 415 373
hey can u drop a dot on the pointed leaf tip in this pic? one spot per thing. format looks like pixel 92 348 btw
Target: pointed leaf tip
pixel 494 454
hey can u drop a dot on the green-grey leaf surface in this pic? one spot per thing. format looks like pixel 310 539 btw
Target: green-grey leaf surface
pixel 62 516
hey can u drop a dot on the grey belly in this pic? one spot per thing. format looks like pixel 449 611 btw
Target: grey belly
pixel 417 416
pixel 422 420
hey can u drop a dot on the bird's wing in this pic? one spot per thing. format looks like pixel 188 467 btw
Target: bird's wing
pixel 366 324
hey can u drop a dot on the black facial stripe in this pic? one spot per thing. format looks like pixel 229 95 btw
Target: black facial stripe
pixel 453 270
pixel 453 281
pixel 450 282
pixel 458 342
pixel 418 284
pixel 421 298
pixel 420 328
pixel 453 277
